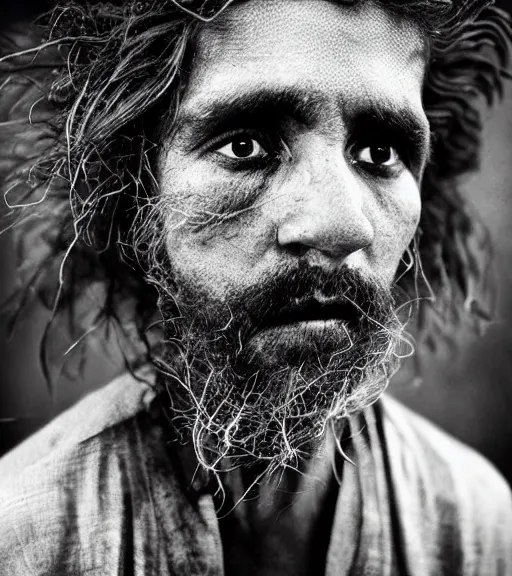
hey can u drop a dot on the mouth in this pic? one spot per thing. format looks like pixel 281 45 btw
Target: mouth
pixel 305 330
pixel 314 311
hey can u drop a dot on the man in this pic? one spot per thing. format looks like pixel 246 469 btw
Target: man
pixel 238 186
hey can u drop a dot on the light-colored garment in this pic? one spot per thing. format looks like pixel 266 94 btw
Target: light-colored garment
pixel 100 491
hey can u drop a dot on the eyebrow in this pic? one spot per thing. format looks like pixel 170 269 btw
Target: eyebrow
pixel 269 105
pixel 400 123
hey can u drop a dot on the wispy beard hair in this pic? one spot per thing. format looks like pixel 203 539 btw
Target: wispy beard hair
pixel 244 399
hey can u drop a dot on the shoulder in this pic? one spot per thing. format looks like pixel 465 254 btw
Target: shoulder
pixel 122 399
pixel 61 491
pixel 422 444
pixel 460 496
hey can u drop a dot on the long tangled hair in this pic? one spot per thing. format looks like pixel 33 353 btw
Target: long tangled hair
pixel 85 100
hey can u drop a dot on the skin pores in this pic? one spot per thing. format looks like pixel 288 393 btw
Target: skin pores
pixel 320 195
pixel 297 153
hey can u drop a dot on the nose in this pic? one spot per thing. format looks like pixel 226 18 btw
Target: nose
pixel 324 214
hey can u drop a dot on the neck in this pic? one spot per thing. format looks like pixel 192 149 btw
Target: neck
pixel 260 496
pixel 280 523
pixel 265 490
pixel 261 492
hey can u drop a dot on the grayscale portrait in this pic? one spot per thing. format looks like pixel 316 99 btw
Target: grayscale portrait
pixel 239 239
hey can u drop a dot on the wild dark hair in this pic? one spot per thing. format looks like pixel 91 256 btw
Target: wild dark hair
pixel 83 110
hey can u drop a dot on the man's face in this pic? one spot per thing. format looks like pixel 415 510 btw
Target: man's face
pixel 291 188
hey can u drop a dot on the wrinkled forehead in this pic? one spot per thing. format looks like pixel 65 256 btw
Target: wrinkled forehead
pixel 359 49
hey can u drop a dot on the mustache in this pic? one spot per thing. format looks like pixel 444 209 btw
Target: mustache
pixel 281 387
pixel 284 296
pixel 312 293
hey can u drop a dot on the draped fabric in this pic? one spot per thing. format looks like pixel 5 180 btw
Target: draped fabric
pixel 102 491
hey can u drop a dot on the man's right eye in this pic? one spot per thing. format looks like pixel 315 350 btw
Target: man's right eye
pixel 242 148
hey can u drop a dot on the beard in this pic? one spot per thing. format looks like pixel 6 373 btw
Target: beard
pixel 257 377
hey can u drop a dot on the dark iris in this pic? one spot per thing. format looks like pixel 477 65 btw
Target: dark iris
pixel 242 148
pixel 380 154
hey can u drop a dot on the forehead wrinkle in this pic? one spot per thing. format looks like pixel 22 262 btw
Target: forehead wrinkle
pixel 301 46
pixel 290 37
pixel 246 18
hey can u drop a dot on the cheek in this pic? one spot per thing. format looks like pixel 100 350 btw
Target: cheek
pixel 200 195
pixel 398 218
pixel 209 238
pixel 219 263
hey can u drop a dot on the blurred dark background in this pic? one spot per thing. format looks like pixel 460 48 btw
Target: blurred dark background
pixel 466 390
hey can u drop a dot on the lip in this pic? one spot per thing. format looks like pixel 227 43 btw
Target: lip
pixel 302 341
pixel 311 324
pixel 303 327
pixel 303 330
pixel 315 314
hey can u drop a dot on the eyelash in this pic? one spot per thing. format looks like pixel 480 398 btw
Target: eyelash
pixel 379 170
pixel 271 143
pixel 276 151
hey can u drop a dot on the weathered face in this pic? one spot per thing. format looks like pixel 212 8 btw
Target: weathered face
pixel 301 135
pixel 299 146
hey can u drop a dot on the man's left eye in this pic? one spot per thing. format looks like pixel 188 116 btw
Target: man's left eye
pixel 242 148
pixel 379 155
